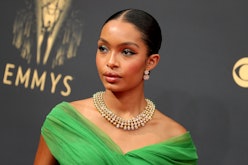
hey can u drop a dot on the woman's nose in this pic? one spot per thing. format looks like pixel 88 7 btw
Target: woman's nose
pixel 112 61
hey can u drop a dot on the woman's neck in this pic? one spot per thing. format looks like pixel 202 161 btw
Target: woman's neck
pixel 125 104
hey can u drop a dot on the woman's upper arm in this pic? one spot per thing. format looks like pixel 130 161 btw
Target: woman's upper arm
pixel 43 154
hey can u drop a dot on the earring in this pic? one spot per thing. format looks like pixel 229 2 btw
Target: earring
pixel 146 75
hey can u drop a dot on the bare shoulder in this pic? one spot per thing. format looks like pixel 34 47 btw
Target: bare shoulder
pixel 85 107
pixel 166 126
pixel 82 104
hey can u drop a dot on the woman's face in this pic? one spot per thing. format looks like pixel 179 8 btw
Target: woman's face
pixel 121 56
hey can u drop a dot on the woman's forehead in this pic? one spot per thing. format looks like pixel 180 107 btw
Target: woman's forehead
pixel 120 29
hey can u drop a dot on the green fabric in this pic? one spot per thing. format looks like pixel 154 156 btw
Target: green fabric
pixel 74 140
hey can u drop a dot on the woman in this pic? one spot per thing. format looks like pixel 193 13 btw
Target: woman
pixel 119 125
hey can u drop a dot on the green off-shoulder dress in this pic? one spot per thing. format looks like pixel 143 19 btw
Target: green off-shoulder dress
pixel 74 140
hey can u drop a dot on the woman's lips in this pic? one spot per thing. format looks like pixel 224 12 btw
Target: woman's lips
pixel 111 77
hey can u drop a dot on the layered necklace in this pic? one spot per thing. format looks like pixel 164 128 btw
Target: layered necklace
pixel 125 124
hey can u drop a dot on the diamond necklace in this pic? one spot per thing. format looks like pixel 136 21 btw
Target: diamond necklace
pixel 129 124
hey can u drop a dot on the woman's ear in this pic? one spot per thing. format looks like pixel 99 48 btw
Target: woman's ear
pixel 152 61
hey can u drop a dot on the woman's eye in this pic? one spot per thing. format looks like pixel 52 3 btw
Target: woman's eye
pixel 103 49
pixel 128 52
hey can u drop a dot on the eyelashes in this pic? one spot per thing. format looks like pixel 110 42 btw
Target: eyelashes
pixel 103 49
pixel 128 52
pixel 125 51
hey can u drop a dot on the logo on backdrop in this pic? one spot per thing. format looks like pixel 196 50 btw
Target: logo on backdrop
pixel 47 33
pixel 240 72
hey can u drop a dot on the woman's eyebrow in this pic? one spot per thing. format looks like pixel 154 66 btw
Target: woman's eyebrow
pixel 124 43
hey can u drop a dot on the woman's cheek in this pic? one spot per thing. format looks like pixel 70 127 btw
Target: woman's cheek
pixel 136 69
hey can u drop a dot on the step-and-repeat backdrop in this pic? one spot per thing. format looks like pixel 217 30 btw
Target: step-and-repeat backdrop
pixel 47 55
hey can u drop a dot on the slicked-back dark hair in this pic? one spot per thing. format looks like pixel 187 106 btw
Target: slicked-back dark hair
pixel 145 23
